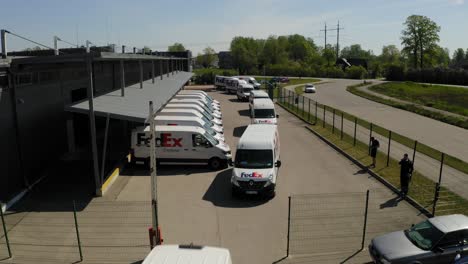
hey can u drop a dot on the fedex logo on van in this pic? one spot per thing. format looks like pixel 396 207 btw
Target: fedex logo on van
pixel 251 175
pixel 166 140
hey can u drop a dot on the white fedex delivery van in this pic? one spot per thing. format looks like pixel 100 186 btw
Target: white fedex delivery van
pixel 190 112
pixel 243 90
pixel 256 94
pixel 195 101
pixel 200 109
pixel 257 161
pixel 188 254
pixel 181 145
pixel 189 121
pixel 263 112
pixel 201 98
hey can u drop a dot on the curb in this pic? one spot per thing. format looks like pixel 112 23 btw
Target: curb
pixel 410 200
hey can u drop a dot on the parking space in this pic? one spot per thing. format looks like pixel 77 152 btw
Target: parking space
pixel 195 204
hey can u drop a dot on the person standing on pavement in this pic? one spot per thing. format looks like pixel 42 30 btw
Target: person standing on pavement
pixel 406 170
pixel 374 145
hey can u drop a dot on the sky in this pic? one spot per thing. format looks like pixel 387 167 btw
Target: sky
pixel 201 23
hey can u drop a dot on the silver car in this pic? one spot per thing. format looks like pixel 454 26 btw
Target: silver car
pixel 309 88
pixel 436 240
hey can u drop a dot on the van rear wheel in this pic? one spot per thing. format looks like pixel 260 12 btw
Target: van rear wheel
pixel 215 163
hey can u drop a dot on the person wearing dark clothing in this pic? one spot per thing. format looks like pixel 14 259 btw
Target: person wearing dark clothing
pixel 374 145
pixel 406 170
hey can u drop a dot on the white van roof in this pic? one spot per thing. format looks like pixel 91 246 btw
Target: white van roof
pixel 192 92
pixel 174 254
pixel 187 100
pixel 258 136
pixel 180 110
pixel 193 129
pixel 179 118
pixel 259 94
pixel 263 103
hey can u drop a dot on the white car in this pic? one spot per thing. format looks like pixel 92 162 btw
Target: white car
pixel 309 88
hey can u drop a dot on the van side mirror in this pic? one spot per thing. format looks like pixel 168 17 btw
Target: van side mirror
pixel 231 163
pixel 278 163
pixel 208 144
pixel 277 116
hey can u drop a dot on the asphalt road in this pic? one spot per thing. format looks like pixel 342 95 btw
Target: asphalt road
pixel 195 205
pixel 444 137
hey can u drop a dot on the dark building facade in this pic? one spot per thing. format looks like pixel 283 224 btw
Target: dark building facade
pixel 37 132
pixel 225 60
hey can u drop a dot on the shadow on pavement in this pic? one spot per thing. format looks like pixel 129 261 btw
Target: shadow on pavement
pixel 165 170
pixel 238 131
pixel 219 193
pixel 391 203
pixel 244 112
pixel 234 100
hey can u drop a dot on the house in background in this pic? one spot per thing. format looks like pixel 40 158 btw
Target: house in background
pixel 345 63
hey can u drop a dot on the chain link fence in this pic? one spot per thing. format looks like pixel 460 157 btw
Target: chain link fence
pixel 101 231
pixel 439 183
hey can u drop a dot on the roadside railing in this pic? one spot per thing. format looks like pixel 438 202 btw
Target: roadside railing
pixel 439 183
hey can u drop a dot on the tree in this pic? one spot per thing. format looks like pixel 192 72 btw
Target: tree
pixel 274 51
pixel 355 51
pixel 458 55
pixel 244 52
pixel 329 54
pixel 299 48
pixel 420 36
pixel 207 58
pixel 33 48
pixel 176 47
pixel 146 49
pixel 390 55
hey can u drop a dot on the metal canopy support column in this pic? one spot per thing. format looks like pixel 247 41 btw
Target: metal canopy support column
pixel 141 73
pixel 122 78
pixel 104 148
pixel 167 63
pixel 172 66
pixel 153 171
pixel 152 71
pixel 92 126
pixel 161 68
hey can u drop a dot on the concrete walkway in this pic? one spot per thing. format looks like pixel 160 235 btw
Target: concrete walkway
pixel 366 89
pixel 453 179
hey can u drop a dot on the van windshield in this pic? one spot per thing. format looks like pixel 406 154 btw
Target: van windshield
pixel 207 121
pixel 210 138
pixel 247 90
pixel 264 113
pixel 254 159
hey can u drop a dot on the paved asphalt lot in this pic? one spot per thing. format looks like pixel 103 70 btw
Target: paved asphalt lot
pixel 195 205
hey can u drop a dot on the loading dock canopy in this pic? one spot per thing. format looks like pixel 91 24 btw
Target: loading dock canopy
pixel 134 106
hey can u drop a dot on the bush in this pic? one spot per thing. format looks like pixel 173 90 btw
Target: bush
pixel 207 76
pixel 431 75
pixel 334 72
pixel 356 72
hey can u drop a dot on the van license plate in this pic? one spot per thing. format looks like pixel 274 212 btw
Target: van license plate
pixel 251 192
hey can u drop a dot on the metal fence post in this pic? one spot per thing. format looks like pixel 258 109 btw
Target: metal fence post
pixel 324 110
pixel 303 109
pixel 333 126
pixel 389 144
pixel 355 128
pixel 365 220
pixel 370 136
pixel 77 231
pixel 414 150
pixel 341 132
pixel 316 109
pixel 289 99
pixel 308 115
pixel 5 231
pixel 437 190
pixel 289 225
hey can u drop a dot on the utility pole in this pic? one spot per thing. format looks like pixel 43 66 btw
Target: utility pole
pixel 338 40
pixel 325 30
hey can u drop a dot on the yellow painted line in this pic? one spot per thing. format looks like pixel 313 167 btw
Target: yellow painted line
pixel 114 174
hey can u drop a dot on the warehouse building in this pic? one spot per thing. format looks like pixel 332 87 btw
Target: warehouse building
pixel 77 110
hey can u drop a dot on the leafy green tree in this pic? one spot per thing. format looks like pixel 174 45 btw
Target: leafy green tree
pixel 438 57
pixel 390 55
pixel 300 48
pixel 355 51
pixel 274 52
pixel 244 52
pixel 458 55
pixel 419 37
pixel 207 58
pixel 329 54
pixel 176 47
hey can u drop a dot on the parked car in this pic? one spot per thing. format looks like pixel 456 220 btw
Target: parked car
pixel 284 79
pixel 309 88
pixel 436 240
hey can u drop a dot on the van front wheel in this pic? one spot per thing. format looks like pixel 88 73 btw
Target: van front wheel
pixel 215 163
